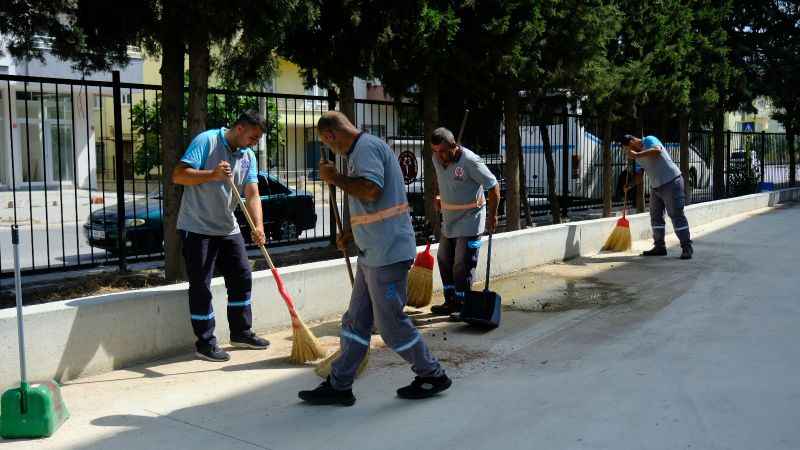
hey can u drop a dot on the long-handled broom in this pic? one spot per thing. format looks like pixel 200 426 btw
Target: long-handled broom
pixel 323 369
pixel 420 277
pixel 305 346
pixel 620 239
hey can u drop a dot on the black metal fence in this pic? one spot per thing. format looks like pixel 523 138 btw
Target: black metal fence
pixel 80 160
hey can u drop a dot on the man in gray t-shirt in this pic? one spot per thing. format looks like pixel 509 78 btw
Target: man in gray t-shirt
pixel 462 178
pixel 666 193
pixel 211 234
pixel 383 233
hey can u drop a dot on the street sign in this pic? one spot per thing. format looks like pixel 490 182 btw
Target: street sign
pixel 408 165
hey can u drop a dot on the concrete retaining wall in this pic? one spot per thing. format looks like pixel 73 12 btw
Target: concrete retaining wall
pixel 79 337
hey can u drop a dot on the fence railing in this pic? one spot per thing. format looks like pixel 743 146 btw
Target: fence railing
pixel 81 160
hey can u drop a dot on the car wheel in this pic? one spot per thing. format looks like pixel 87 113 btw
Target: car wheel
pixel 283 231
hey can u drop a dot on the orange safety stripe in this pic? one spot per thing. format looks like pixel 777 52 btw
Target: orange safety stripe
pixel 454 207
pixel 377 216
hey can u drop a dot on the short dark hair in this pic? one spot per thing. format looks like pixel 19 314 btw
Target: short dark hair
pixel 627 139
pixel 443 135
pixel 253 118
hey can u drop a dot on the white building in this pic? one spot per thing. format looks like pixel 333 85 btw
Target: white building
pixel 47 130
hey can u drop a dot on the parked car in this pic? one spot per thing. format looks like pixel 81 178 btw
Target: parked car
pixel 287 213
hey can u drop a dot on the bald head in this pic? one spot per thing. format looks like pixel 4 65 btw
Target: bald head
pixel 334 121
pixel 336 131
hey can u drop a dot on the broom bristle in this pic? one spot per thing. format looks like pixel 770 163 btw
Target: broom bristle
pixel 619 241
pixel 324 367
pixel 420 287
pixel 305 346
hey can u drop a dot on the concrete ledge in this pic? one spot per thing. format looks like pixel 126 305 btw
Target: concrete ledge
pixel 86 336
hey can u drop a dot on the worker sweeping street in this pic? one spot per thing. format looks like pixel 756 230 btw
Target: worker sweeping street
pixel 385 239
pixel 210 233
pixel 462 178
pixel 666 193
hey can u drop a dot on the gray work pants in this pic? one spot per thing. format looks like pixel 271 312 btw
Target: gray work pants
pixel 379 296
pixel 669 197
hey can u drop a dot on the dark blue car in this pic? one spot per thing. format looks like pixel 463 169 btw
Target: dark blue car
pixel 287 213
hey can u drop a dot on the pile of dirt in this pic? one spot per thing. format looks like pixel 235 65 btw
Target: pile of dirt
pixel 84 286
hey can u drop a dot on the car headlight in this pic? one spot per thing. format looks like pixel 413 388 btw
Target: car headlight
pixel 134 222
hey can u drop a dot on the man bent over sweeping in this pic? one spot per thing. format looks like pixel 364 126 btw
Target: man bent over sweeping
pixel 383 233
pixel 666 193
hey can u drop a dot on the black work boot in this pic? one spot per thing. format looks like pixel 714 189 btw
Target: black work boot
pixel 447 308
pixel 214 354
pixel 249 340
pixel 424 387
pixel 655 251
pixel 325 394
pixel 687 252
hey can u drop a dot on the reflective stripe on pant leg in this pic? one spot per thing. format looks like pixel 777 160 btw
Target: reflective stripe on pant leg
pixel 445 258
pixel 387 287
pixel 675 205
pixel 235 267
pixel 657 216
pixel 355 334
pixel 199 253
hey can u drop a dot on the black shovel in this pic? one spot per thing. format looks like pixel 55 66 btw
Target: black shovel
pixel 482 308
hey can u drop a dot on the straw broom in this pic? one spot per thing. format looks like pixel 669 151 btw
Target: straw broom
pixel 420 277
pixel 305 346
pixel 620 239
pixel 323 369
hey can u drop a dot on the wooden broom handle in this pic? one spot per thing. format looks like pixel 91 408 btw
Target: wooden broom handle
pixel 249 221
pixel 339 226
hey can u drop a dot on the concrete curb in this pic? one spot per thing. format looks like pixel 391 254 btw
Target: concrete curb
pixel 80 337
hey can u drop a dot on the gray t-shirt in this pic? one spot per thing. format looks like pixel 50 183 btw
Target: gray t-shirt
pixel 659 168
pixel 462 183
pixel 207 208
pixel 382 229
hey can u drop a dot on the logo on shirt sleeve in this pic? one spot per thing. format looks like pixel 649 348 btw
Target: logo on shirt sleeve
pixel 458 173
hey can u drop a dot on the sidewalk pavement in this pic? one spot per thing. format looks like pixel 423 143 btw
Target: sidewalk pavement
pixel 614 351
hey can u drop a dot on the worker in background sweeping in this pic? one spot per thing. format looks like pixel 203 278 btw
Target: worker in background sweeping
pixel 211 234
pixel 462 179
pixel 385 238
pixel 666 193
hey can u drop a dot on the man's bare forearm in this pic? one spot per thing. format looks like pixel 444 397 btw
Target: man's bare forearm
pixel 494 200
pixel 188 176
pixel 359 188
pixel 644 153
pixel 254 207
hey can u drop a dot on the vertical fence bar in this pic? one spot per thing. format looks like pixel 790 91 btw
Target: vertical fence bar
pixel 331 188
pixel 727 156
pixel 120 169
pixel 30 189
pixel 564 162
pixel 763 153
pixel 43 122
pixel 60 178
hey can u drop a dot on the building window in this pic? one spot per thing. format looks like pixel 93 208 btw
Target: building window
pixel 375 130
pixel 125 96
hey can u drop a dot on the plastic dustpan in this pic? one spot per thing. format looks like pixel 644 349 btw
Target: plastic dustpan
pixel 29 411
